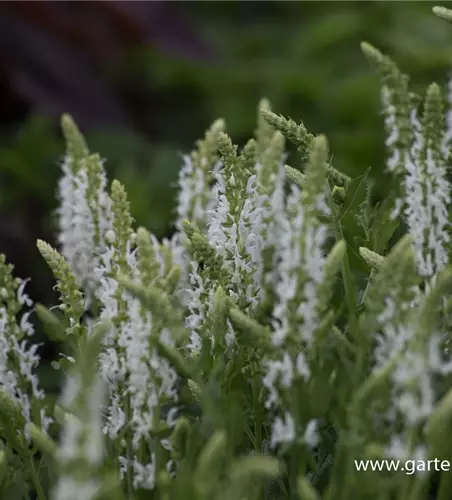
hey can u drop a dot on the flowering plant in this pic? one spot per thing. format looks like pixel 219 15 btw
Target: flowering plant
pixel 261 350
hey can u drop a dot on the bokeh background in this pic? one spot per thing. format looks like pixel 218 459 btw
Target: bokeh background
pixel 144 80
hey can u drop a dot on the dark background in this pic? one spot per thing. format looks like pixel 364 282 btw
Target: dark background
pixel 144 80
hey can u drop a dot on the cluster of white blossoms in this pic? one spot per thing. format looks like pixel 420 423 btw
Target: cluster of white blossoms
pixel 301 258
pixel 84 214
pixel 244 297
pixel 240 228
pixel 260 245
pixel 243 236
pixel 418 154
pixel 82 439
pixel 19 358
pixel 418 157
pixel 137 379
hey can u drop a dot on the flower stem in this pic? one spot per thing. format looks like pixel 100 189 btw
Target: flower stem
pixel 36 481
pixel 258 420
pixel 347 275
pixel 129 449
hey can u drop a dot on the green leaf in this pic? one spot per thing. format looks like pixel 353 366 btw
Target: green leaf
pixel 53 323
pixel 383 226
pixel 355 194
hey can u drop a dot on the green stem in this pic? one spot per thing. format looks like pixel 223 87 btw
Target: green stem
pixel 156 442
pixel 36 481
pixel 337 488
pixel 420 487
pixel 369 281
pixel 257 416
pixel 347 275
pixel 406 491
pixel 294 470
pixel 129 449
pixel 445 486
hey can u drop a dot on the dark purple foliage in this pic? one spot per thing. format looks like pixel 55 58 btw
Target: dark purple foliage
pixel 54 55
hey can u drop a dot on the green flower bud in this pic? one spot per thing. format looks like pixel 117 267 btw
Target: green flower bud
pixel 338 195
pixel 251 329
pixel 175 358
pixel 179 438
pixel 122 222
pixel 433 124
pixel 305 490
pixel 220 312
pixel 171 280
pixel 158 302
pixel 206 154
pixel 334 259
pixel 207 257
pixel 264 131
pixel 207 468
pixel 270 159
pixel 316 171
pixel 297 134
pixel 341 180
pixel 59 414
pixel 71 296
pixel 195 390
pixel 295 176
pixel 246 468
pixel 396 278
pixel 372 259
pixel 75 142
pixel 228 152
pixel 147 260
pixel 443 13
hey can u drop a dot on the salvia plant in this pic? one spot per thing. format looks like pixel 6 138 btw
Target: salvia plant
pixel 290 327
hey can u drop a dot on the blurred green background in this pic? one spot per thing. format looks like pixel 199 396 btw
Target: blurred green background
pixel 147 87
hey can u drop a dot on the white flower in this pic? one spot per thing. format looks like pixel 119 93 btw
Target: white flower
pixel 116 418
pixel 68 488
pixel 76 235
pixel 196 306
pixel 283 430
pixel 144 475
pixel 448 135
pixel 277 371
pixel 311 435
pixel 391 342
pixel 193 195
pixel 20 380
pixel 389 111
pixel 130 363
pixel 300 260
pixel 427 196
pixel 438 361
pixel 81 439
pixel 83 223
